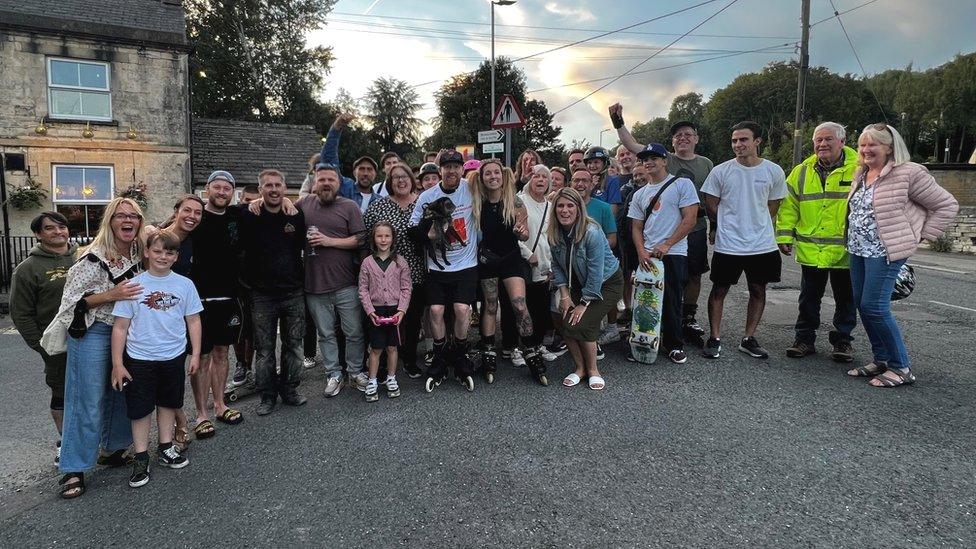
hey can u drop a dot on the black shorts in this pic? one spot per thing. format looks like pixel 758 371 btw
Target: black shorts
pixel 759 268
pixel 54 368
pixel 628 259
pixel 509 266
pixel 221 322
pixel 381 337
pixel 443 288
pixel 154 383
pixel 697 253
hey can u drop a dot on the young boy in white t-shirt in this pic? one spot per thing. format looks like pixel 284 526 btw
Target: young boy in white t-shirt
pixel 149 351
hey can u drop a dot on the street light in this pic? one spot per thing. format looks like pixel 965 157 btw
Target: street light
pixel 603 131
pixel 491 107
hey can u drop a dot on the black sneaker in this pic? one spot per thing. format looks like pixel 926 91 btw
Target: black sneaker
pixel 751 347
pixel 118 458
pixel 267 405
pixel 557 349
pixel 692 326
pixel 599 352
pixel 140 473
pixel 413 371
pixel 171 458
pixel 293 398
pixel 713 348
pixel 677 356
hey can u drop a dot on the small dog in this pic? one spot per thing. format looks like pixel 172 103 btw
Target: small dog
pixel 439 213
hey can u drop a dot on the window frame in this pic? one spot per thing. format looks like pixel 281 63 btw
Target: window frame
pixel 54 184
pixel 51 87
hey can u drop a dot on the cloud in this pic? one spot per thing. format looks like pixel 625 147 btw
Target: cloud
pixel 577 13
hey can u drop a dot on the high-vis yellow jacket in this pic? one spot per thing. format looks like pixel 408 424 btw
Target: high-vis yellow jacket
pixel 813 215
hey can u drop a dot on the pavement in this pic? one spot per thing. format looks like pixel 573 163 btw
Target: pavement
pixel 730 452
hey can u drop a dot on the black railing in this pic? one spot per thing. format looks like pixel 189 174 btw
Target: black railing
pixel 14 249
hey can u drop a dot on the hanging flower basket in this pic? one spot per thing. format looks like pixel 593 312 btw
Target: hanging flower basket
pixel 27 196
pixel 137 192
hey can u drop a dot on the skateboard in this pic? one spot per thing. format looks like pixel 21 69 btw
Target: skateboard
pixel 233 394
pixel 648 300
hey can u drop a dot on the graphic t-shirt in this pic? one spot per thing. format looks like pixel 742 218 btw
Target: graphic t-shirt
pixel 744 224
pixel 158 318
pixel 667 211
pixel 600 211
pixel 461 256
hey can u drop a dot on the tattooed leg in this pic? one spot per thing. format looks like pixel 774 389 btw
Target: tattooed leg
pixel 489 287
pixel 516 290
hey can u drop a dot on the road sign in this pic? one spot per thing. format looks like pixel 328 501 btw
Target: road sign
pixel 490 136
pixel 508 115
pixel 489 148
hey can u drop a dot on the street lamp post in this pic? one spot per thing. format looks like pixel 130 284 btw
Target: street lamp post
pixel 491 106
pixel 603 131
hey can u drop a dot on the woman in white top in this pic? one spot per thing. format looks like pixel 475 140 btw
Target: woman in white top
pixel 536 251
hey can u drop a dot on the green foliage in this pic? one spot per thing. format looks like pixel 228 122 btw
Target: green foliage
pixel 137 192
pixel 391 106
pixel 942 244
pixel 28 196
pixel 464 110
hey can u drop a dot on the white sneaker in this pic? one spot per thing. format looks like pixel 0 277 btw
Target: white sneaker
pixel 609 334
pixel 621 307
pixel 309 363
pixel 392 387
pixel 517 358
pixel 333 386
pixel 359 380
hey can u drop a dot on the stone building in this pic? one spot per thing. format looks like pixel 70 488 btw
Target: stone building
pixel 95 99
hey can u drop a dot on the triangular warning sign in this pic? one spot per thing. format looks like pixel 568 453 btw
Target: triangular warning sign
pixel 508 114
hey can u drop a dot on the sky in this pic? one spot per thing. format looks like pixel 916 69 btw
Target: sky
pixel 420 41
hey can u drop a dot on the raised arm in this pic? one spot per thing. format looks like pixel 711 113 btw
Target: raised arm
pixel 626 138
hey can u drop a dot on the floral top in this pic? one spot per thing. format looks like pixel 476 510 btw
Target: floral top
pixel 86 278
pixel 385 209
pixel 862 227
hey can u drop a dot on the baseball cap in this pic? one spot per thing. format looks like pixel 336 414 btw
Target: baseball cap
pixel 451 157
pixel 683 124
pixel 221 174
pixel 653 149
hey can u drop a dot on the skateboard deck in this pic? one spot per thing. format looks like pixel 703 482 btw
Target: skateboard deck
pixel 648 301
pixel 233 394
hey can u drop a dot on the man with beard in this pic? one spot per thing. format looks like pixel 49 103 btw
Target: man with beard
pixel 273 275
pixel 364 189
pixel 335 236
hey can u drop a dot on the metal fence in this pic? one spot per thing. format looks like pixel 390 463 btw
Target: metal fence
pixel 14 249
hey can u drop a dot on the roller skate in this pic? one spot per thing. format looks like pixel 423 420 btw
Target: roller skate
pixel 537 366
pixel 463 367
pixel 435 373
pixel 489 363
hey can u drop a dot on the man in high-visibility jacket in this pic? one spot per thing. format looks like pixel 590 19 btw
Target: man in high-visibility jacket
pixel 812 220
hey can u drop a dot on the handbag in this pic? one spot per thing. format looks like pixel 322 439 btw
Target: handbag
pixel 54 340
pixel 79 325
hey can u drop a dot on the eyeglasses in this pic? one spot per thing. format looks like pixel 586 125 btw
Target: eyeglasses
pixel 400 177
pixel 126 217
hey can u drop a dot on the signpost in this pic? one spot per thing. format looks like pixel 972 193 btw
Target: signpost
pixel 492 148
pixel 507 116
pixel 490 136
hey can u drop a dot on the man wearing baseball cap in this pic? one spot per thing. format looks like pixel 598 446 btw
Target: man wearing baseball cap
pixel 662 214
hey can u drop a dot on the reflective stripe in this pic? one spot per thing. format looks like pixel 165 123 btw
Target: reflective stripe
pixel 785 232
pixel 814 240
pixel 829 195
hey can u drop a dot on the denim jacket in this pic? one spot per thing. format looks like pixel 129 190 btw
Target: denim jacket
pixel 330 155
pixel 593 262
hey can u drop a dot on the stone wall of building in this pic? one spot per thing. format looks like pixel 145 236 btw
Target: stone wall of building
pixel 149 96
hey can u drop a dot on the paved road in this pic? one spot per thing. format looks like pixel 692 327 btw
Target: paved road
pixel 732 452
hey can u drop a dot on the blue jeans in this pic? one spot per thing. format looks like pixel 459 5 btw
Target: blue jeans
pixel 323 308
pixel 872 281
pixel 94 413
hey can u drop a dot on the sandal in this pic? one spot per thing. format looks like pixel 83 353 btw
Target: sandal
pixel 72 485
pixel 117 458
pixel 905 377
pixel 230 417
pixel 597 383
pixel 572 380
pixel 204 429
pixel 868 370
pixel 181 439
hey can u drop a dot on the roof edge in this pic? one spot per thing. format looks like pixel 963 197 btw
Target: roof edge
pixel 93 31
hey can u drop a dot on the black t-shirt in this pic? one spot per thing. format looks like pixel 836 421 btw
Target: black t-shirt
pixel 496 233
pixel 215 262
pixel 271 246
pixel 184 263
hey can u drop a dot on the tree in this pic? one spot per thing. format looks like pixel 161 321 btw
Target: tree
pixel 250 60
pixel 687 107
pixel 657 130
pixel 390 106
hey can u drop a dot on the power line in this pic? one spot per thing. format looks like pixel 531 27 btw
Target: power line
pixel 632 69
pixel 845 12
pixel 578 42
pixel 768 49
pixel 561 29
pixel 859 64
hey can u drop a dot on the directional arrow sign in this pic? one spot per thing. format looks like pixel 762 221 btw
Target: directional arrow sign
pixel 490 136
pixel 508 115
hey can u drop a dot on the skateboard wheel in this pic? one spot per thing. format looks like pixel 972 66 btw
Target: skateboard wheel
pixel 544 381
pixel 490 378
pixel 232 397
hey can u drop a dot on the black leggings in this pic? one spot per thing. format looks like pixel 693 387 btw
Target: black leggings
pixel 410 330
pixel 537 297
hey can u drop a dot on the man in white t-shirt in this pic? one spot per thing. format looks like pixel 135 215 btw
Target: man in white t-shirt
pixel 742 196
pixel 661 230
pixel 453 276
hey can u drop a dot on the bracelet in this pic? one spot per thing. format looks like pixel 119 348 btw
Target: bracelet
pixel 564 298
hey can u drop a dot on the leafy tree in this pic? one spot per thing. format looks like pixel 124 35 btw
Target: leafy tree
pixel 657 130
pixel 250 60
pixel 391 106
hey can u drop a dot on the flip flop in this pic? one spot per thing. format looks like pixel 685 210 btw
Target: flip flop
pixel 230 417
pixel 204 429
pixel 572 380
pixel 597 383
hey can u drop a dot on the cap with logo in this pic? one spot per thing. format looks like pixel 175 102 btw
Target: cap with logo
pixel 451 157
pixel 653 150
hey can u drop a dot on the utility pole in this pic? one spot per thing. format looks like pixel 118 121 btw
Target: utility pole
pixel 801 81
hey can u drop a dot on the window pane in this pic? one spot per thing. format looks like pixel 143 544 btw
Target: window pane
pixel 95 105
pixel 95 213
pixel 76 219
pixel 65 103
pixel 93 76
pixel 64 73
pixel 98 184
pixel 68 183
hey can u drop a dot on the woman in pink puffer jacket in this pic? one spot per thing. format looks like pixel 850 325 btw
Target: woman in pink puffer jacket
pixel 893 205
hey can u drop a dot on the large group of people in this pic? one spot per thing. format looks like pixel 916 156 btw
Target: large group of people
pixel 371 269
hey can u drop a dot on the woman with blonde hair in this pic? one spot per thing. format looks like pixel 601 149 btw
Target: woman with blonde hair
pixel 501 217
pixel 893 205
pixel 588 278
pixel 94 414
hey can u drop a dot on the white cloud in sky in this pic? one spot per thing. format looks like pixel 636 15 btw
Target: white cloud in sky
pixel 578 13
